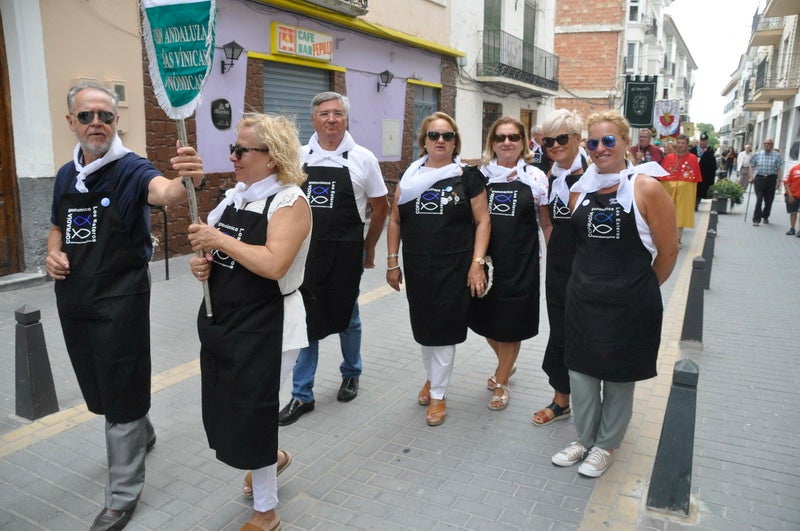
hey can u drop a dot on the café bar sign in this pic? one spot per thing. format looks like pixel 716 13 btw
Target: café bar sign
pixel 301 42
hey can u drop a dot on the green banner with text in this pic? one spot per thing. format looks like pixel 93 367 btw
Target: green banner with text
pixel 179 38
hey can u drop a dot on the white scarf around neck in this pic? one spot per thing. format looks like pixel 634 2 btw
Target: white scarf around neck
pixel 241 194
pixel 501 174
pixel 559 188
pixel 418 178
pixel 115 152
pixel 592 181
pixel 318 154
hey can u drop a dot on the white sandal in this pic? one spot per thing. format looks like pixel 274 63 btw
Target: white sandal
pixel 499 403
pixel 492 381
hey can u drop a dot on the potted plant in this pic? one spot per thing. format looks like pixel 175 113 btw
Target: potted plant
pixel 722 191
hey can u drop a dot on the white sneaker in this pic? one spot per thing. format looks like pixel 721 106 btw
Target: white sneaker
pixel 570 455
pixel 596 462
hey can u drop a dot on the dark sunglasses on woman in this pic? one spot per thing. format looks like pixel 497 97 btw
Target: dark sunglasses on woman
pixel 550 141
pixel 241 150
pixel 435 135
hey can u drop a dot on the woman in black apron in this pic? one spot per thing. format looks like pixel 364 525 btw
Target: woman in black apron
pixel 626 248
pixel 517 196
pixel 441 215
pixel 562 130
pixel 255 239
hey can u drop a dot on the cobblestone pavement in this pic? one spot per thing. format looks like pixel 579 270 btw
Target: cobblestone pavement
pixel 373 463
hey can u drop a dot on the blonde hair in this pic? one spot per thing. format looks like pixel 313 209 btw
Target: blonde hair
pixel 562 119
pixel 279 135
pixel 423 130
pixel 615 118
pixel 488 152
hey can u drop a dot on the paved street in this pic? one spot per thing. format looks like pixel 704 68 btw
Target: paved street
pixel 373 463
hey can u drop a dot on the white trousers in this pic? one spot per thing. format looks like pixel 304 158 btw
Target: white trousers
pixel 438 363
pixel 265 479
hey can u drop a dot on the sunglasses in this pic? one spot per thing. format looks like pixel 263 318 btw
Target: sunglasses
pixel 608 141
pixel 241 150
pixel 514 137
pixel 86 117
pixel 436 135
pixel 549 141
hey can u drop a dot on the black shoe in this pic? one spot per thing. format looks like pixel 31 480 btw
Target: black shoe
pixel 111 520
pixel 150 444
pixel 348 390
pixel 766 221
pixel 790 232
pixel 292 411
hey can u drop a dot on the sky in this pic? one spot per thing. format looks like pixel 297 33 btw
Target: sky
pixel 716 33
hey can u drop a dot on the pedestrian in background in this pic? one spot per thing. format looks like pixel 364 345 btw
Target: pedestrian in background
pixel 645 151
pixel 98 252
pixel 517 196
pixel 626 248
pixel 791 194
pixel 254 251
pixel 540 158
pixel 708 167
pixel 681 183
pixel 767 165
pixel 441 215
pixel 743 167
pixel 343 177
pixel 563 143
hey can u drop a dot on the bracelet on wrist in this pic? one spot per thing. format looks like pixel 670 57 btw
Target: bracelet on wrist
pixel 389 257
pixel 392 268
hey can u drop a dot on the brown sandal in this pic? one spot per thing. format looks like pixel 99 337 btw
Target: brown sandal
pixel 247 486
pixel 424 396
pixel 436 412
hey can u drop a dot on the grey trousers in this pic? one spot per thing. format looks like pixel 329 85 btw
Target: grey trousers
pixel 125 445
pixel 601 419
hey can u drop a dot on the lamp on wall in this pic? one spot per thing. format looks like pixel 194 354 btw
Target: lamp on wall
pixel 232 52
pixel 384 78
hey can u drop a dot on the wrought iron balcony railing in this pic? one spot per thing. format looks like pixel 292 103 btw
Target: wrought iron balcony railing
pixel 505 55
pixel 780 71
pixel 762 23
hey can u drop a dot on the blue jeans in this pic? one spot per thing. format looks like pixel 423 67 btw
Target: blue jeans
pixel 306 366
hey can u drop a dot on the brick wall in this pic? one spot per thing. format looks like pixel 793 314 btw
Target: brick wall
pixel 589 61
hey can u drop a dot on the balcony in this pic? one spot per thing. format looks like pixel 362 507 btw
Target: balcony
pixel 351 8
pixel 508 60
pixel 777 78
pixel 766 31
pixel 650 27
pixel 781 8
pixel 750 104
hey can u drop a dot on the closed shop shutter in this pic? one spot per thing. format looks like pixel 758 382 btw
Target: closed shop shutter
pixel 289 89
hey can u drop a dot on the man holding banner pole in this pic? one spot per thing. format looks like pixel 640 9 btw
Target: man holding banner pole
pixel 98 252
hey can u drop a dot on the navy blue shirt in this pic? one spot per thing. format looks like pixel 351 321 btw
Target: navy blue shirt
pixel 133 175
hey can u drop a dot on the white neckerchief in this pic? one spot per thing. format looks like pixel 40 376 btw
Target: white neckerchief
pixel 592 181
pixel 418 178
pixel 115 152
pixel 241 194
pixel 559 187
pixel 318 154
pixel 500 174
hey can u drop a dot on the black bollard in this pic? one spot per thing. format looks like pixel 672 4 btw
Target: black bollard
pixel 35 392
pixel 712 220
pixel 671 480
pixel 693 316
pixel 708 254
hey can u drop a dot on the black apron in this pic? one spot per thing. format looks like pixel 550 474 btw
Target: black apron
pixel 336 252
pixel 240 355
pixel 614 310
pixel 438 236
pixel 510 311
pixel 560 253
pixel 104 305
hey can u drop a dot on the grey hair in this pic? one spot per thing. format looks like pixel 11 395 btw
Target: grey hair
pixel 322 97
pixel 562 119
pixel 73 91
pixel 536 130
